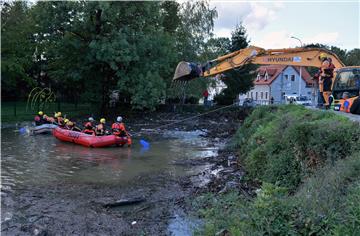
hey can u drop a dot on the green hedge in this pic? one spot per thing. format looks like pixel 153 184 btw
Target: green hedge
pixel 309 165
pixel 283 144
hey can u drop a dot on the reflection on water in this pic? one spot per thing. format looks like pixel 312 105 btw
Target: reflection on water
pixel 36 160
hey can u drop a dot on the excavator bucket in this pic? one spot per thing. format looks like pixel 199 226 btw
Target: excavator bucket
pixel 187 71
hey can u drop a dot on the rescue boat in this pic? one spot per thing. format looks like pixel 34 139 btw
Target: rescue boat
pixel 43 129
pixel 89 140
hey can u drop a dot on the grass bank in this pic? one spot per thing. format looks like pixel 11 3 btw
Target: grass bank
pixel 308 165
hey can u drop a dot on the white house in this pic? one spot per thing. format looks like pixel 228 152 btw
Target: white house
pixel 276 81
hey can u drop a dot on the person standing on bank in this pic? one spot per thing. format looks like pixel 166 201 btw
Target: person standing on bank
pixel 206 95
pixel 327 73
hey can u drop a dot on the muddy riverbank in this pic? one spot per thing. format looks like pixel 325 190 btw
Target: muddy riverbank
pixel 64 206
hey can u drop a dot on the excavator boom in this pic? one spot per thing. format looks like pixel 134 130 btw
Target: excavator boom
pixel 255 55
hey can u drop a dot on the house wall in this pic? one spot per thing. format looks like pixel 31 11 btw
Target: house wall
pixel 281 85
pixel 256 92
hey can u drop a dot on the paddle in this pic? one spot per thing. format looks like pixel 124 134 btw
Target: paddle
pixel 143 142
pixel 23 130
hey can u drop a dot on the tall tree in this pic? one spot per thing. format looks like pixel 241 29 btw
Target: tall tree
pixel 16 49
pixel 353 57
pixel 87 49
pixel 197 23
pixel 239 38
pixel 237 80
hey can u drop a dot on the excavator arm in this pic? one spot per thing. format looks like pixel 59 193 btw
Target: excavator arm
pixel 255 55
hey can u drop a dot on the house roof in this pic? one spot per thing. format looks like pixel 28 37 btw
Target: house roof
pixel 274 71
pixel 304 74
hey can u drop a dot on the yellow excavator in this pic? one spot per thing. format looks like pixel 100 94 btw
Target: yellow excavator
pixel 346 79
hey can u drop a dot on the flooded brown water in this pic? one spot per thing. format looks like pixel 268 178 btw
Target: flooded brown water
pixel 43 161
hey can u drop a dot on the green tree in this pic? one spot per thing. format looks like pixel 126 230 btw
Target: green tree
pixel 353 57
pixel 16 49
pixel 85 50
pixel 195 29
pixel 97 47
pixel 238 80
pixel 239 38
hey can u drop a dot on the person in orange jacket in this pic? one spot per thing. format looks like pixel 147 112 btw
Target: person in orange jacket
pixel 326 75
pixel 346 103
pixel 118 129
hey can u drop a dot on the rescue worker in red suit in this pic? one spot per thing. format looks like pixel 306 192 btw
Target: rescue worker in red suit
pixel 89 129
pixel 118 129
pixel 39 119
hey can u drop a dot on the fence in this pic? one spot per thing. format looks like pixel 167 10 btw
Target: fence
pixel 18 111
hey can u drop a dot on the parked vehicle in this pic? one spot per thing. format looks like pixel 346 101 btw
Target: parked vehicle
pixel 295 99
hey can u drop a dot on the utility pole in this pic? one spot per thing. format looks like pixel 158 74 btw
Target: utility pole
pixel 300 68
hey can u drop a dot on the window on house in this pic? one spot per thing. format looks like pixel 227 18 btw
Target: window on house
pixel 286 77
pixel 266 76
pixel 256 96
pixel 261 95
pixel 251 94
pixel 266 95
pixel 292 77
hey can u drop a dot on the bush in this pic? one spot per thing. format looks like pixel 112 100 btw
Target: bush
pixel 326 204
pixel 282 144
pixel 309 165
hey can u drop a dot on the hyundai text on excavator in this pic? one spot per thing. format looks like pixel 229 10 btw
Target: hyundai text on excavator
pixel 346 79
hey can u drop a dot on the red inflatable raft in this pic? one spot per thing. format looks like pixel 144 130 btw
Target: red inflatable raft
pixel 88 140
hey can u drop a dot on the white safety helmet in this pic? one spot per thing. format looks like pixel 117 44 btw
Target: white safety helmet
pixel 119 119
pixel 91 119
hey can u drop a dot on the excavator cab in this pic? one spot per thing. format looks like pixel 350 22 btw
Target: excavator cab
pixel 346 80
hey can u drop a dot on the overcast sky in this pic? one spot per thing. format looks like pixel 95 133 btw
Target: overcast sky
pixel 270 24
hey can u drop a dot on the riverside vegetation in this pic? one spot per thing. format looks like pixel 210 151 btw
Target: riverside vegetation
pixel 307 166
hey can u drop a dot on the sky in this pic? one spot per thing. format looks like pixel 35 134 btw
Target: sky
pixel 270 24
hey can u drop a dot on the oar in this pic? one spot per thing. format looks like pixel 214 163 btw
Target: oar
pixel 143 142
pixel 23 130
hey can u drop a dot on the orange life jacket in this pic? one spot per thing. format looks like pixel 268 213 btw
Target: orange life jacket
pixel 346 105
pixel 89 131
pixel 115 126
pixel 118 128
